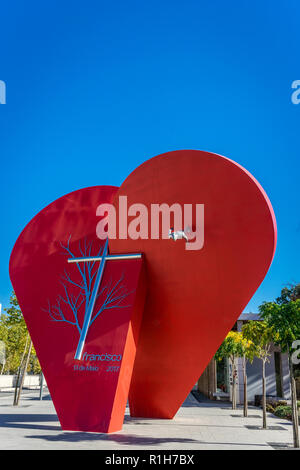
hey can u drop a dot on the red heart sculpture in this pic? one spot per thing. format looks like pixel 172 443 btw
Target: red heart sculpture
pixel 90 391
pixel 194 296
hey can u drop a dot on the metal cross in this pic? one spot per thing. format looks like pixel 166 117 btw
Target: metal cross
pixel 89 311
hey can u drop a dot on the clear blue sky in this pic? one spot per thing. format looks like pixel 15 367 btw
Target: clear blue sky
pixel 95 88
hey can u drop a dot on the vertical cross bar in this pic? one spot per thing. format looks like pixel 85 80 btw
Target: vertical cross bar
pixel 90 308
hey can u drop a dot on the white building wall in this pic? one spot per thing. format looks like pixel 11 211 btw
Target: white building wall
pixel 254 378
pixel 9 381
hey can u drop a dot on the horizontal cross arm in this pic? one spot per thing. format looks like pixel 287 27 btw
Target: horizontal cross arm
pixel 108 257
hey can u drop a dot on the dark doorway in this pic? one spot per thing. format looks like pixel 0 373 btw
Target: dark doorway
pixel 278 373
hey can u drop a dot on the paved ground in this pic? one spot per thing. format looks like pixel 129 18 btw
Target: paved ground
pixel 207 425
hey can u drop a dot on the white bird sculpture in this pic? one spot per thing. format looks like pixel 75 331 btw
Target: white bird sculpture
pixel 178 235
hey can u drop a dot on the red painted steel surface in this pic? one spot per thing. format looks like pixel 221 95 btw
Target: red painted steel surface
pixel 89 394
pixel 194 297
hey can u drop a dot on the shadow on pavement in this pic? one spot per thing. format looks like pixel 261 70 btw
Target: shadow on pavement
pixel 200 397
pixel 131 439
pixel 27 421
pixel 45 398
pixel 128 439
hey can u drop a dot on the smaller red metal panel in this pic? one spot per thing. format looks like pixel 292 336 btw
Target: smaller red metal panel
pixel 88 394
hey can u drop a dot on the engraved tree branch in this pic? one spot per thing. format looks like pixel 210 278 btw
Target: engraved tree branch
pixel 68 305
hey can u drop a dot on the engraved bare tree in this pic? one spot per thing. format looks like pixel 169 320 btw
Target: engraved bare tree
pixel 76 291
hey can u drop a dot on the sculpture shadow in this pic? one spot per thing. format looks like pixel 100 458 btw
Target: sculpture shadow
pixel 121 439
pixel 134 440
pixel 29 421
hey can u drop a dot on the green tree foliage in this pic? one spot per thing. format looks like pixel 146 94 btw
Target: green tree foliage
pixel 284 318
pixel 13 333
pixel 289 294
pixel 234 346
pixel 262 336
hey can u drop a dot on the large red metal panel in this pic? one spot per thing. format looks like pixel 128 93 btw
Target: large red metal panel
pixel 194 297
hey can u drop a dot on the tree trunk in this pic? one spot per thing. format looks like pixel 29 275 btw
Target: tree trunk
pixel 295 418
pixel 245 388
pixel 41 385
pixel 19 372
pixel 24 374
pixel 233 384
pixel 264 407
pixel 2 352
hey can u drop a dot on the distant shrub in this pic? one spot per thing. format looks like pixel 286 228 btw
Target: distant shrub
pixel 284 412
pixel 281 403
pixel 270 408
pixel 276 403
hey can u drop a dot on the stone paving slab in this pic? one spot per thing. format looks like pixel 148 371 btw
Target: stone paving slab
pixel 202 426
